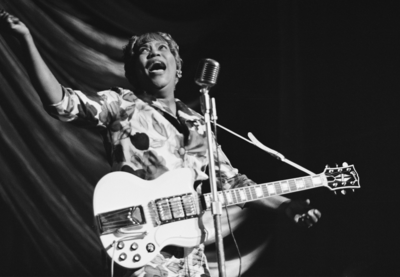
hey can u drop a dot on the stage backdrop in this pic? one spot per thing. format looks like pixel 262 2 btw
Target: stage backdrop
pixel 314 80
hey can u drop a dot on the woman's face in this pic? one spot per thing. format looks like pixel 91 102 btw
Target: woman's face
pixel 155 67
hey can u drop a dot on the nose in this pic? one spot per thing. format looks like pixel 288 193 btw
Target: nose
pixel 154 52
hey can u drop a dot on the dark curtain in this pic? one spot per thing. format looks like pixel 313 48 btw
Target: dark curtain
pixel 315 80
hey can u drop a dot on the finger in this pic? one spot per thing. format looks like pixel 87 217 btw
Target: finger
pixel 298 218
pixel 15 20
pixel 304 205
pixel 311 216
pixel 5 19
pixel 4 13
pixel 301 220
pixel 306 221
pixel 317 213
pixel 3 16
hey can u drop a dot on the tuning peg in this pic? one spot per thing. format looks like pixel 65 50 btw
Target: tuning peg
pixel 335 192
pixel 343 192
pixel 353 190
pixel 345 164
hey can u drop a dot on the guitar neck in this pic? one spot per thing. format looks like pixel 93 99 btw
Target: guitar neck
pixel 246 194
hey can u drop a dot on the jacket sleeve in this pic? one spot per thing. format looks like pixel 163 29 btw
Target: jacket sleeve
pixel 84 110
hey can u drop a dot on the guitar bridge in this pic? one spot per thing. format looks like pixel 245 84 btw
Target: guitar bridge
pixel 124 218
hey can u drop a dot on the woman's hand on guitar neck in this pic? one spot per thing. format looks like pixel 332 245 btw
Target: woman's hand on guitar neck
pixel 301 212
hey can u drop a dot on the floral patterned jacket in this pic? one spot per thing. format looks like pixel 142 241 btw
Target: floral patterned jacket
pixel 144 137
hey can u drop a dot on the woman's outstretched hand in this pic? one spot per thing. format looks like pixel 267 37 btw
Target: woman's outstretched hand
pixel 12 25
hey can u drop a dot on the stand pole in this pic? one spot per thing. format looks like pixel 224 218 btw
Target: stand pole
pixel 216 206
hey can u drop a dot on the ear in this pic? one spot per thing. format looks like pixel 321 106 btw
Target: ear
pixel 178 76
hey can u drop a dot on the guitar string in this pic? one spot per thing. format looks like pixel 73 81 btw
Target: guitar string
pixel 247 196
pixel 235 197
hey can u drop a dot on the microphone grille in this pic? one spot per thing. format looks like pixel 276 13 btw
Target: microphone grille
pixel 207 73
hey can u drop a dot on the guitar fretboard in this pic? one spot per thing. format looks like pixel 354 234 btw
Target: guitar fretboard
pixel 242 195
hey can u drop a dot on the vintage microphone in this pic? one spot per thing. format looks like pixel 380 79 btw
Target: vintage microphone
pixel 207 73
pixel 206 77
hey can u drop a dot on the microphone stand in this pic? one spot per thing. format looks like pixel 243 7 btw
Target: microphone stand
pixel 216 206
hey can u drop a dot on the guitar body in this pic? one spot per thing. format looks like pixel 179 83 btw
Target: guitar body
pixel 134 243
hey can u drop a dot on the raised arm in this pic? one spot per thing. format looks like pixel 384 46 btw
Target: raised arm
pixel 42 78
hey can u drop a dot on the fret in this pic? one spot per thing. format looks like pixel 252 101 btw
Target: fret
pixel 259 192
pixel 300 183
pixel 253 192
pixel 234 196
pixel 248 196
pixel 237 195
pixel 317 181
pixel 228 197
pixel 278 188
pixel 242 195
pixel 265 190
pixel 249 193
pixel 221 198
pixel 292 185
pixel 271 189
pixel 285 186
pixel 308 182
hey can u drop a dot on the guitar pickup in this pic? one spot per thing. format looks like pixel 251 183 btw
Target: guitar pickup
pixel 174 208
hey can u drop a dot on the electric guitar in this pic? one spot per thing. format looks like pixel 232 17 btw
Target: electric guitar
pixel 137 218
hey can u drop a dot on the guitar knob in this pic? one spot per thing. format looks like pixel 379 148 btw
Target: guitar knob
pixel 134 246
pixel 120 245
pixel 136 258
pixel 150 247
pixel 122 257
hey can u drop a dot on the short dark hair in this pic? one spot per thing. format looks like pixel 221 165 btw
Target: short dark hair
pixel 130 51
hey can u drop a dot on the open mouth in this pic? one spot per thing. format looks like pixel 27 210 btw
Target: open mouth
pixel 156 66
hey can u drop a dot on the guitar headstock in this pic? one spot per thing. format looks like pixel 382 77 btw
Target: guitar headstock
pixel 341 178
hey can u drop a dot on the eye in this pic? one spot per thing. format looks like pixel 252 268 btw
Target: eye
pixel 163 47
pixel 143 50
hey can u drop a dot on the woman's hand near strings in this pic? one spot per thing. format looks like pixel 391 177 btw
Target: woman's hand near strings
pixel 42 78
